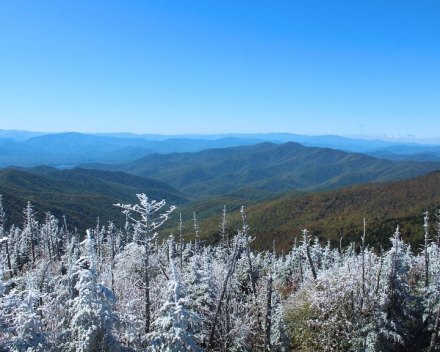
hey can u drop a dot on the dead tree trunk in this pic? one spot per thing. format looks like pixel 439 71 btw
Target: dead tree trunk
pixel 147 288
pixel 309 257
pixel 434 332
pixel 363 265
pixel 231 269
pixel 268 322
pixel 426 227
pixel 8 257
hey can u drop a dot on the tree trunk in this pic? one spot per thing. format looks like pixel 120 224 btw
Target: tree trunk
pixel 363 266
pixel 268 322
pixel 253 283
pixel 222 295
pixel 32 245
pixel 8 256
pixel 376 289
pixel 435 332
pixel 309 257
pixel 49 243
pixel 147 289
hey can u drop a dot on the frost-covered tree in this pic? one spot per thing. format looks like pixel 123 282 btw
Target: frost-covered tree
pixel 50 238
pixel 196 229
pixel 219 297
pixel 389 327
pixel 147 218
pixel 223 227
pixel 175 328
pixel 22 325
pixel 200 282
pixel 92 316
pixel 29 234
pixel 425 247
pixel 4 241
pixel 128 288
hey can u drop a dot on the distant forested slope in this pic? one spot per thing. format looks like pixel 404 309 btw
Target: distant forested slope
pixel 268 168
pixel 336 214
pixel 82 195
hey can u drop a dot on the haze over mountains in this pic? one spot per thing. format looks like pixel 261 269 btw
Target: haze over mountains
pixel 23 148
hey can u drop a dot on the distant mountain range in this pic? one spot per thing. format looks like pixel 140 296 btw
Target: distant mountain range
pixel 408 152
pixel 260 170
pixel 71 149
pixel 28 149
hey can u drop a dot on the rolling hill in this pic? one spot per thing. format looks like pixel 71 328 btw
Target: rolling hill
pixel 82 195
pixel 337 214
pixel 405 152
pixel 259 171
pixel 273 179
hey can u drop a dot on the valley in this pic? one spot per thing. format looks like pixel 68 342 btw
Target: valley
pixel 284 187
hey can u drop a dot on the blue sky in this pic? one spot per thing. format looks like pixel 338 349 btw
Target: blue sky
pixel 315 67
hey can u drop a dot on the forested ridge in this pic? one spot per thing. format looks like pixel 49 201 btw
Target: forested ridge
pixel 82 195
pixel 28 149
pixel 128 289
pixel 331 215
pixel 263 169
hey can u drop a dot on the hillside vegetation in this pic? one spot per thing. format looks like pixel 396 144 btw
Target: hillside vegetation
pixel 338 214
pixel 267 168
pixel 271 180
pixel 79 194
pixel 83 195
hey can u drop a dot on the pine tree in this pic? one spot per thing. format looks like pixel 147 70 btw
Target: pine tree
pixel 28 238
pixel 390 322
pixel 4 239
pixel 147 223
pixel 175 328
pixel 92 316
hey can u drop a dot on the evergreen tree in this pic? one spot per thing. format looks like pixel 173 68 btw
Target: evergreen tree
pixel 92 316
pixel 174 329
pixel 147 222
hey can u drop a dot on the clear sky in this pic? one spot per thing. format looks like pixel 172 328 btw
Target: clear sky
pixel 217 66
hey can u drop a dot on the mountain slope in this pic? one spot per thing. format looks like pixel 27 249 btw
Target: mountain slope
pixel 82 195
pixel 339 214
pixel 408 152
pixel 268 168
